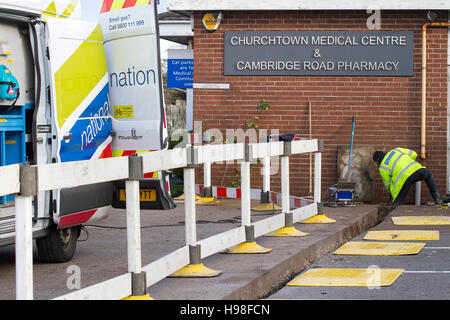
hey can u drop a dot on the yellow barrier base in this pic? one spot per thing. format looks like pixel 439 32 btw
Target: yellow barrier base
pixel 318 218
pixel 207 200
pixel 181 198
pixel 195 271
pixel 144 297
pixel 247 247
pixel 286 232
pixel 266 207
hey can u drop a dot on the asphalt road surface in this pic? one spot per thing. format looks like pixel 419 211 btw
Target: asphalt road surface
pixel 426 275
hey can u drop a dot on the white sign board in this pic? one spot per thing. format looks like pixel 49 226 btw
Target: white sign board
pixel 132 54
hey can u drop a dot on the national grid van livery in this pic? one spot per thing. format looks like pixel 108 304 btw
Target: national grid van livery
pixel 67 107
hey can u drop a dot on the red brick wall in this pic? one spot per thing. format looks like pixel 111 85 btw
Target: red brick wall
pixel 387 109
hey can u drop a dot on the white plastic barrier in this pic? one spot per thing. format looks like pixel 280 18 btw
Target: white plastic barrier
pixel 27 181
pixel 10 179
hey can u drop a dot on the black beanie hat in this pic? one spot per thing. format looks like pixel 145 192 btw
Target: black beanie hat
pixel 378 156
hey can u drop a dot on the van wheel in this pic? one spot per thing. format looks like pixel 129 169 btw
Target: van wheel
pixel 59 245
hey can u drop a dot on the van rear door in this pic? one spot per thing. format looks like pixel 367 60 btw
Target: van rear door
pixel 131 35
pixel 79 96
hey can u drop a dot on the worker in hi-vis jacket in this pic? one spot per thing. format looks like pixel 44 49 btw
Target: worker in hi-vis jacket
pixel 400 171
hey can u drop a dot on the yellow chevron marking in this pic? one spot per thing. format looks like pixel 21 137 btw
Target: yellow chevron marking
pixel 117 4
pixel 142 2
pixel 51 10
pixel 70 8
pixel 117 153
pixel 79 75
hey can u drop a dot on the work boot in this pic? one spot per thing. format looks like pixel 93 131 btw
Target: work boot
pixel 437 199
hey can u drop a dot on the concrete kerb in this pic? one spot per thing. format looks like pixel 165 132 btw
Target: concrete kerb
pixel 251 277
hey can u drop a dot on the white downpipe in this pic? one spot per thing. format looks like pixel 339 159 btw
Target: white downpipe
pixel 448 109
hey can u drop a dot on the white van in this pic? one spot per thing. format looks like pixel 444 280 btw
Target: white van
pixel 57 105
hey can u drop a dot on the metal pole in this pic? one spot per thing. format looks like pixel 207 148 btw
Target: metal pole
pixel 350 152
pixel 24 248
pixel 417 194
pixel 133 226
pixel 285 205
pixel 189 206
pixel 245 193
pixel 317 176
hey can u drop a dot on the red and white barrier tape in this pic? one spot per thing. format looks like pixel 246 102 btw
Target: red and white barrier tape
pixel 255 194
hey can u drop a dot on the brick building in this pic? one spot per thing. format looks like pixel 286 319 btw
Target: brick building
pixel 387 103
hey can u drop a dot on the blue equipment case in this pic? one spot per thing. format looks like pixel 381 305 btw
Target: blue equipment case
pixel 12 138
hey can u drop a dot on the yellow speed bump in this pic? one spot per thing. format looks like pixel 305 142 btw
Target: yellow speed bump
pixel 379 248
pixel 402 235
pixel 421 220
pixel 370 277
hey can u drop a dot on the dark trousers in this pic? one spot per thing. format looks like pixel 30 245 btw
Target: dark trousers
pixel 419 175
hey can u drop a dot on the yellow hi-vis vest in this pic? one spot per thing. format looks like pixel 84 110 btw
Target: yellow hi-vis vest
pixel 397 166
